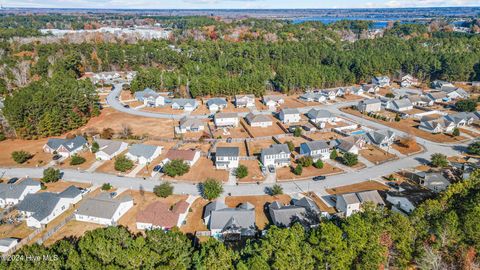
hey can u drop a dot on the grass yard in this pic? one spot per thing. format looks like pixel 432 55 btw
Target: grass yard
pixel 232 132
pixel 34 147
pixel 321 204
pixel 257 146
pixel 284 174
pixel 407 149
pixel 195 217
pixel 254 172
pixel 73 229
pixel 324 136
pixel 363 186
pixel 62 185
pixel 376 155
pixel 89 160
pixel 18 230
pixel 201 171
pixel 272 130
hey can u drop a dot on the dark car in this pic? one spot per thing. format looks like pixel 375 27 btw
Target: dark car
pixel 271 169
pixel 157 168
pixel 12 180
pixel 126 106
pixel 56 157
pixel 319 178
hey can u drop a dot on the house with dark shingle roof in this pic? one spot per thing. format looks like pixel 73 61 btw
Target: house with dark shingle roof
pixel 304 211
pixel 381 138
pixel 315 149
pixel 11 194
pixel 227 158
pixel 40 209
pixel 186 104
pixel 143 153
pixel 104 209
pixel 381 81
pixel 277 155
pixel 222 220
pixel 160 215
pixel 66 147
pixel 216 104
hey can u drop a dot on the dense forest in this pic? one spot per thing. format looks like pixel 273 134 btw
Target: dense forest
pixel 443 233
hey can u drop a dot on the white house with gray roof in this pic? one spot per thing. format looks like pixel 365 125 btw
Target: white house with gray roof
pixel 227 158
pixel 245 101
pixel 370 105
pixel 400 105
pixel 150 98
pixel 381 81
pixel 321 116
pixel 277 155
pixel 259 120
pixel 186 104
pixel 66 147
pixel 273 101
pixel 188 124
pixel 304 211
pixel 6 244
pixel 40 209
pixel 12 194
pixel 349 203
pixel 104 209
pixel 382 138
pixel 315 149
pixel 222 220
pixel 313 96
pixel 439 84
pixel 108 149
pixel 143 153
pixel 288 116
pixel 226 120
pixel 216 104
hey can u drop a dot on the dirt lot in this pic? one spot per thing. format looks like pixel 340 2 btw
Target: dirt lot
pixel 260 203
pixel 363 186
pixel 349 97
pixel 141 201
pixel 407 150
pixel 195 217
pixel 376 155
pixel 410 126
pixel 110 118
pixel 325 136
pixel 254 172
pixel 293 102
pixel 286 174
pixel 201 171
pixel 34 147
pixel 73 229
pixel 272 130
pixel 240 145
pixel 19 230
pixel 257 146
pixel 236 132
pixel 126 95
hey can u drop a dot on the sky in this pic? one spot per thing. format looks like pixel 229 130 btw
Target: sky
pixel 236 4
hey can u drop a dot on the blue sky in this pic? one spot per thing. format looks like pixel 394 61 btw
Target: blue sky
pixel 222 4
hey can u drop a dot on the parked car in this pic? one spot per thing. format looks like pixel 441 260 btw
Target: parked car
pixel 56 157
pixel 157 168
pixel 12 180
pixel 271 169
pixel 264 170
pixel 319 178
pixel 126 106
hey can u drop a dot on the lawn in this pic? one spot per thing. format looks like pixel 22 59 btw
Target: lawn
pixel 195 217
pixel 257 146
pixel 363 186
pixel 89 160
pixel 284 174
pixel 233 132
pixel 324 136
pixel 272 130
pixel 62 185
pixel 34 147
pixel 376 155
pixel 203 169
pixel 407 149
pixel 254 172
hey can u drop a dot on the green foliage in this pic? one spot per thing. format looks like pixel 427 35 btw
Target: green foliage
pixel 297 132
pixel 106 186
pixel 2 136
pixel 176 167
pixel 291 146
pixel 276 190
pixel 211 189
pixel 51 175
pixel 474 148
pixel 298 170
pixel 21 156
pixel 95 147
pixel 397 118
pixel 439 160
pixel 51 107
pixel 163 190
pixel 241 171
pixel 466 105
pixel 334 154
pixel 456 132
pixel 123 164
pixel 389 95
pixel 318 164
pixel 350 159
pixel 305 161
pixel 77 160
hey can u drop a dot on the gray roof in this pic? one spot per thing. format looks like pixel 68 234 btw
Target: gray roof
pixel 147 92
pixel 5 242
pixel 276 149
pixel 216 101
pixel 40 204
pixel 257 118
pixel 14 191
pixel 282 215
pixel 314 114
pixel 275 98
pixel 182 102
pixel 308 203
pixel 402 103
pixel 226 115
pixel 370 101
pixel 70 192
pixel 316 145
pixel 213 206
pixel 290 111
pixel 349 198
pixel 377 136
pixel 69 144
pixel 190 122
pixel 437 95
pixel 142 150
pixel 370 196
pixel 227 152
pixel 240 218
pixel 102 206
pixel 108 146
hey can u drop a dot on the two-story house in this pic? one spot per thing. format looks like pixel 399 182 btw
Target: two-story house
pixel 277 155
pixel 227 158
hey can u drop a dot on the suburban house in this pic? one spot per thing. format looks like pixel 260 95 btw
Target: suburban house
pixel 400 105
pixel 349 203
pixel 438 96
pixel 41 208
pixel 273 101
pixel 436 125
pixel 313 96
pixel 6 244
pixel 150 98
pixel 476 83
pixel 434 181
pixel 455 93
pixel 143 153
pixel 289 116
pixel 356 90
pixel 460 119
pixel 160 215
pixel 439 84
pixel 330 94
pixel 408 81
pixel 227 158
pixel 351 144
pixel 226 120
pixel 421 100
pixel 190 157
pixel 66 147
pixel 188 124
pixel 400 204
pixel 244 101
pixel 370 88
pixel 321 116
pixel 370 105
pixel 304 211
pixel 216 104
pixel 186 104
pixel 12 194
pixel 222 220
pixel 315 149
pixel 104 209
pixel 381 138
pixel 277 155
pixel 258 120
pixel 381 81
pixel 108 149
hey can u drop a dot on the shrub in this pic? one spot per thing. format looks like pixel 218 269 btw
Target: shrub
pixel 397 118
pixel 123 164
pixel 21 156
pixel 389 95
pixel 306 161
pixel 474 148
pixel 2 136
pixel 276 190
pixel 291 146
pixel 350 159
pixel 241 171
pixel 211 189
pixel 297 132
pixel 456 132
pixel 467 105
pixel 107 133
pixel 163 190
pixel 106 186
pixel 51 175
pixel 333 154
pixel 439 160
pixel 77 160
pixel 95 147
pixel 298 170
pixel 176 167
pixel 318 164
